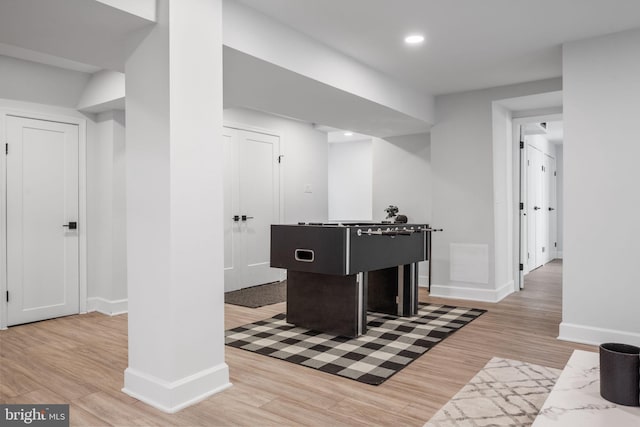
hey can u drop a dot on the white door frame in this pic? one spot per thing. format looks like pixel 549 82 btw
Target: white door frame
pixel 250 128
pixel 7 110
pixel 518 278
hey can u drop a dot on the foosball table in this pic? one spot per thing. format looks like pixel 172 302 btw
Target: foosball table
pixel 336 272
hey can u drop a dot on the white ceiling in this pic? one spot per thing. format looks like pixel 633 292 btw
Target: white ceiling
pixel 47 31
pixel 470 44
pixel 339 136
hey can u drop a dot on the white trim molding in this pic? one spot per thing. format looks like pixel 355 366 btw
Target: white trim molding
pixel 171 397
pixel 110 308
pixel 473 294
pixel 595 336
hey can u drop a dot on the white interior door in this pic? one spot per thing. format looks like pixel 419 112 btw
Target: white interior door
pixel 534 209
pixel 231 227
pixel 42 200
pixel 524 269
pixel 252 204
pixel 544 223
pixel 553 213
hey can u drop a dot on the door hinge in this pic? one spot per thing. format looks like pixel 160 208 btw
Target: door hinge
pixel 555 244
pixel 521 144
pixel 521 206
pixel 280 158
pixel 528 255
pixel 521 267
pixel 7 296
pixel 543 249
pixel 528 163
pixel 6 148
pixel 542 168
pixel 555 173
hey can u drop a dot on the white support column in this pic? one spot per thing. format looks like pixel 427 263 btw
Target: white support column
pixel 174 208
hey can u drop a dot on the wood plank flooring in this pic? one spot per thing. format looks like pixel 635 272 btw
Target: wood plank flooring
pixel 81 359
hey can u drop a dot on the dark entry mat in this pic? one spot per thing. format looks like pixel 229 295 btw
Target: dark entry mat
pixel 258 296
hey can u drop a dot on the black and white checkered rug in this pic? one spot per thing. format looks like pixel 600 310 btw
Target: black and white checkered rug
pixel 390 344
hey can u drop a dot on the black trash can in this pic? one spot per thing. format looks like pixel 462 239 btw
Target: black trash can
pixel 620 373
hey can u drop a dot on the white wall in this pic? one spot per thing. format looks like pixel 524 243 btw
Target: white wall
pixel 402 176
pixel 304 163
pixel 43 84
pixel 350 173
pixel 601 285
pixel 463 190
pixel 107 208
pixel 100 194
pixel 503 200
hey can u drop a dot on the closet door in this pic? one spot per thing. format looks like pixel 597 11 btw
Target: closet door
pixel 551 210
pixel 535 235
pixel 42 215
pixel 252 204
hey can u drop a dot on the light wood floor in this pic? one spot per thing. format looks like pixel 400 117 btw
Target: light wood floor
pixel 80 360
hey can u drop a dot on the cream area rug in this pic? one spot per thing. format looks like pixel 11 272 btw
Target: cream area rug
pixel 504 393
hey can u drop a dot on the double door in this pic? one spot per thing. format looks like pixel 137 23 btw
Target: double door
pixel 41 208
pixel 251 205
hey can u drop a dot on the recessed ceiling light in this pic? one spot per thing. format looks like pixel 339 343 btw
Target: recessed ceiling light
pixel 414 39
pixel 348 134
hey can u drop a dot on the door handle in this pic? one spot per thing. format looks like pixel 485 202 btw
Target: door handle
pixel 236 218
pixel 535 208
pixel 244 217
pixel 552 209
pixel 72 225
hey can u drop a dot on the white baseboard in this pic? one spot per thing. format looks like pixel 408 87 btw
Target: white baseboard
pixel 473 294
pixel 596 336
pixel 172 397
pixel 507 289
pixel 423 281
pixel 104 306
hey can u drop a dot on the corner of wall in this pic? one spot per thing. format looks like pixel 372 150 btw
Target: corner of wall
pixel 107 307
